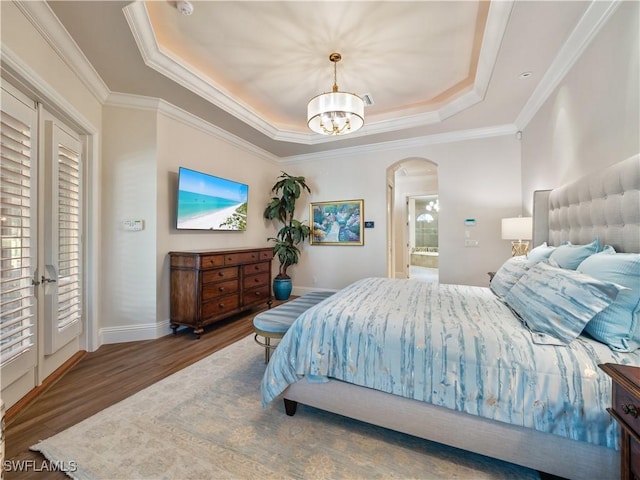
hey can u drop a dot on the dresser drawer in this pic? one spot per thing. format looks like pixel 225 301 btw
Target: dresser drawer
pixel 624 404
pixel 241 257
pixel 219 275
pixel 256 268
pixel 211 261
pixel 257 295
pixel 212 290
pixel 220 305
pixel 266 254
pixel 253 281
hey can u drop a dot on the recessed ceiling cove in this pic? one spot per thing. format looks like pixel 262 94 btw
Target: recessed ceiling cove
pixel 263 61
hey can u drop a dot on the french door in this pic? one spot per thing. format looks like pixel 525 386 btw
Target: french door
pixel 41 251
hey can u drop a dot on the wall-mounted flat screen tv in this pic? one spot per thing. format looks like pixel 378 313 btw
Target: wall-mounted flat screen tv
pixel 206 202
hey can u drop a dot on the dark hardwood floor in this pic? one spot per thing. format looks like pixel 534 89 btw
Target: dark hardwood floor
pixel 104 377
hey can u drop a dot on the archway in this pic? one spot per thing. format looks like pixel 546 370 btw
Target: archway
pixel 409 181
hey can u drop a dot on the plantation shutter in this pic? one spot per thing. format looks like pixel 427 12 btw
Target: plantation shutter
pixel 17 187
pixel 63 282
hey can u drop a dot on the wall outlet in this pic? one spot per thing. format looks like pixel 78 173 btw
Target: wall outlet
pixel 471 243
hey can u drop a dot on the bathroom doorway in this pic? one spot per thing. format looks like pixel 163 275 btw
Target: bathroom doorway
pixel 409 181
pixel 424 212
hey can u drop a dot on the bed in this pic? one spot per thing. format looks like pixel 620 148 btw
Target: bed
pixel 480 368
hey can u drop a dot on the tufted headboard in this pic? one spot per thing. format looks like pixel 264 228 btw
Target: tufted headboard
pixel 604 204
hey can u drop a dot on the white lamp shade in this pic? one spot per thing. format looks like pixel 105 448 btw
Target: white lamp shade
pixel 329 113
pixel 518 228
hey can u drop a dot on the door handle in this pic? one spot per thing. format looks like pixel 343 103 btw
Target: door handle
pixel 44 279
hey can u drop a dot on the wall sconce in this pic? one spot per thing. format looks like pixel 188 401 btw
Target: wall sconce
pixel 518 230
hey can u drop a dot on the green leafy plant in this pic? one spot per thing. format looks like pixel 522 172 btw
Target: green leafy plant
pixel 238 220
pixel 293 232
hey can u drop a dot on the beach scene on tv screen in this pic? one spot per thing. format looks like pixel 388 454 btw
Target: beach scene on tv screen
pixel 206 202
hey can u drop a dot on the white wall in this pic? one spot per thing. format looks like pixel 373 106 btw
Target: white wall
pixel 592 119
pixel 180 144
pixel 129 189
pixel 143 149
pixel 476 178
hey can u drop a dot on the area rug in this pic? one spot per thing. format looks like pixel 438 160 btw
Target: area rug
pixel 206 422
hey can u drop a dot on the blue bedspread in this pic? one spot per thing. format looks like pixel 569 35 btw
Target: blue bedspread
pixel 454 346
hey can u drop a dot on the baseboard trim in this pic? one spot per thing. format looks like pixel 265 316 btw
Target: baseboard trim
pixel 134 333
pixel 13 411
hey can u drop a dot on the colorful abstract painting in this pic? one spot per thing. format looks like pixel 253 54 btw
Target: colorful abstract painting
pixel 337 223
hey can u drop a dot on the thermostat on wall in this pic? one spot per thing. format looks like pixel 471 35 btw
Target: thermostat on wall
pixel 133 225
pixel 470 222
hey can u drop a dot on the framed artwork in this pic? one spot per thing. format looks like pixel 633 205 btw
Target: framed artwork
pixel 337 223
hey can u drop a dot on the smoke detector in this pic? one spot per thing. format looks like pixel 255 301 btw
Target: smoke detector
pixel 184 7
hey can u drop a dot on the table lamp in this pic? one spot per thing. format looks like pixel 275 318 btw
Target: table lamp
pixel 518 230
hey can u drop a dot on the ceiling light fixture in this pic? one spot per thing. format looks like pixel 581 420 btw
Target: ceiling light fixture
pixel 184 7
pixel 335 113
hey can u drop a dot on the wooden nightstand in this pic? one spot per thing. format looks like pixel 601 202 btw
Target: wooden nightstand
pixel 625 408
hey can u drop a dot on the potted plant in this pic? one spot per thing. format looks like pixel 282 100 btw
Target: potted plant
pixel 292 233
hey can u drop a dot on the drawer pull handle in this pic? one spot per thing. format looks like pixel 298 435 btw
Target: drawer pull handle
pixel 630 409
pixel 220 274
pixel 221 289
pixel 221 305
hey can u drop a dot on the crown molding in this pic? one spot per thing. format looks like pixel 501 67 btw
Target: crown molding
pixel 448 137
pixel 186 75
pixel 139 102
pixel 47 24
pixel 159 59
pixel 587 28
pixel 43 91
pixel 125 100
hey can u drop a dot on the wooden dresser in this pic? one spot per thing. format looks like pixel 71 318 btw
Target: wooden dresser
pixel 208 286
pixel 625 408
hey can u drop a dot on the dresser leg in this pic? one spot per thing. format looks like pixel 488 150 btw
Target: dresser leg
pixel 198 331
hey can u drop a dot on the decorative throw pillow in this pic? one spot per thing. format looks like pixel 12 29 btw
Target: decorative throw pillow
pixel 508 274
pixel 558 302
pixel 540 253
pixel 618 325
pixel 570 256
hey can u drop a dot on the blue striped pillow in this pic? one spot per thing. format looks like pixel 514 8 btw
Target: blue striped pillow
pixel 508 274
pixel 618 325
pixel 557 302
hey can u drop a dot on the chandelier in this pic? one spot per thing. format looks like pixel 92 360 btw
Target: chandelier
pixel 335 113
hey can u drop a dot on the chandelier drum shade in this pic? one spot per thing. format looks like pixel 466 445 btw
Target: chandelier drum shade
pixel 335 113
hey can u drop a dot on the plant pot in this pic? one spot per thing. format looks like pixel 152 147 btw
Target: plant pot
pixel 282 288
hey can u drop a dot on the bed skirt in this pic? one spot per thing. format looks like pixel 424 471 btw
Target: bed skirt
pixel 530 448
